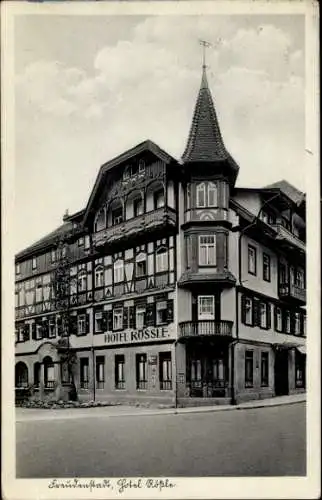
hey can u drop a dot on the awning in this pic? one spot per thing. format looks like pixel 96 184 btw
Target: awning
pixel 301 349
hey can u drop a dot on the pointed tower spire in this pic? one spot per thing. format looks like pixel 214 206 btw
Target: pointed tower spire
pixel 205 142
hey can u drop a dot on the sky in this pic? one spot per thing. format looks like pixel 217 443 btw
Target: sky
pixel 88 88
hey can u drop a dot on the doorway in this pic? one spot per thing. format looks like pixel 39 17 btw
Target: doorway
pixel 281 372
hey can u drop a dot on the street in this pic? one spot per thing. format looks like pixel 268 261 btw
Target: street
pixel 252 442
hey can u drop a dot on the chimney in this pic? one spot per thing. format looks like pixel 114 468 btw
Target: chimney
pixel 66 215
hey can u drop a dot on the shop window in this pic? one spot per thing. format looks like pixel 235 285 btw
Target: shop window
pixel 264 369
pixel 118 271
pixel 266 267
pixel 119 371
pixel 140 317
pixel 252 264
pixel 99 276
pixel 165 374
pixel 84 372
pixel 100 372
pixel 161 312
pixel 141 372
pixel 118 318
pixel 249 368
pixel 206 307
pixel 207 250
pixel 161 260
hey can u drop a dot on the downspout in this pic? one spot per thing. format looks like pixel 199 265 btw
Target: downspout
pixel 93 324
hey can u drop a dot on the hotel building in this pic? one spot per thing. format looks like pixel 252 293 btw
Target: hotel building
pixel 182 288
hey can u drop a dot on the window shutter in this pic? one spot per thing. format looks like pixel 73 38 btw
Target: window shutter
pixel 125 317
pixel 170 310
pixel 33 331
pixel 268 315
pixel 243 309
pixel 132 317
pixel 109 320
pixel 104 321
pixel 150 315
pixel 26 332
pixel 87 323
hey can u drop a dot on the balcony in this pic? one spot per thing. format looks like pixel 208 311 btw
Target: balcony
pixel 286 290
pixel 205 328
pixel 288 238
pixel 152 221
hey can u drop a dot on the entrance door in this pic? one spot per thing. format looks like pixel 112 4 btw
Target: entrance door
pixel 281 372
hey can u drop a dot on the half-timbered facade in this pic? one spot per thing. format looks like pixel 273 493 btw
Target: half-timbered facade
pixel 182 288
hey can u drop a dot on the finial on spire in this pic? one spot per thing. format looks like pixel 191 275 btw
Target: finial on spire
pixel 205 45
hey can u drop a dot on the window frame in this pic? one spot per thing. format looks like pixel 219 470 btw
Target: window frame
pixel 207 249
pixel 34 263
pixel 212 186
pixel 265 358
pixel 263 311
pixel 164 252
pixel 81 278
pixel 99 271
pixel 268 276
pixel 249 358
pixel 140 311
pixel 279 319
pixel 100 373
pixel 201 188
pixel 165 357
pixel 251 308
pixel 84 380
pixel 81 320
pixel 119 382
pixel 119 267
pixel 204 316
pixel 141 360
pixel 118 313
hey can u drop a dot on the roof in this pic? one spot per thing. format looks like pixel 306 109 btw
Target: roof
pixel 289 190
pixel 47 240
pixel 146 145
pixel 205 142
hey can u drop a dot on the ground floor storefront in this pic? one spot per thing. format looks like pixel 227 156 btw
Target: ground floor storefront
pixel 200 371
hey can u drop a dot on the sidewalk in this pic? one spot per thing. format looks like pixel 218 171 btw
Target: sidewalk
pixel 26 414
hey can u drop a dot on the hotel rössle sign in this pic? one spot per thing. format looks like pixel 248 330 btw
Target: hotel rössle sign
pixel 148 334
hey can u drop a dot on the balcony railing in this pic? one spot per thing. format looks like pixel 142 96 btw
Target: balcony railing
pixel 284 234
pixel 162 217
pixel 205 328
pixel 292 291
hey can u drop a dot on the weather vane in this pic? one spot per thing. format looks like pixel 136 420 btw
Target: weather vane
pixel 205 45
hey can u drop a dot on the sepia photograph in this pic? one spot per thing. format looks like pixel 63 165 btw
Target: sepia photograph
pixel 161 183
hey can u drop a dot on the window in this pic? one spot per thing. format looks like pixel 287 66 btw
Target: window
pixel 287 322
pixel 165 375
pixel 118 318
pixel 34 263
pixel 161 263
pixel 80 242
pixel 127 172
pixel 51 328
pixel 100 372
pixel 263 314
pixel 252 260
pixel 118 271
pixel 140 317
pixel 84 379
pixel 38 331
pixel 117 216
pixel 141 168
pixel 218 370
pixel 278 320
pixel 137 207
pixel 100 222
pixel 299 279
pixel 299 369
pixel 158 198
pixel 119 371
pixel 17 268
pixel 99 276
pixel 141 372
pixel 49 373
pixel 161 312
pixel 297 324
pixel 248 311
pixel 39 297
pixel 82 281
pixel 81 324
pixel 195 370
pixel 249 368
pixel 140 265
pixel 201 195
pixel 264 369
pixel 206 307
pixel 212 195
pixel 98 318
pixel 207 250
pixel 283 274
pixel 86 242
pixel 266 267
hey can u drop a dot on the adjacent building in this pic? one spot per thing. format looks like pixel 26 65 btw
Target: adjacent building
pixel 182 288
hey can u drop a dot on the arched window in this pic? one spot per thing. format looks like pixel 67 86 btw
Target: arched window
pixel 212 195
pixel 21 375
pixel 99 276
pixel 201 195
pixel 100 221
pixel 118 271
pixel 49 372
pixel 161 260
pixel 82 281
